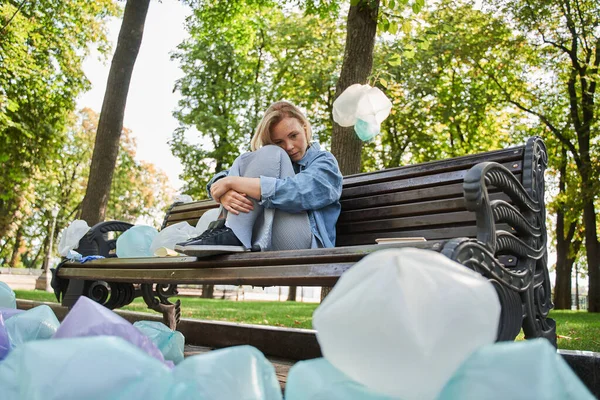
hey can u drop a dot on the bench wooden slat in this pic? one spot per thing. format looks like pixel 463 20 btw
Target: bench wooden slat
pixel 465 162
pixel 429 234
pixel 421 181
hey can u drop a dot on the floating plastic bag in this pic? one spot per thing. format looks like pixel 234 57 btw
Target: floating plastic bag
pixel 136 241
pixel 530 369
pixel 97 368
pixel 206 218
pixel 172 235
pixel 240 372
pixel 401 321
pixel 363 106
pixel 37 323
pixel 88 318
pixel 7 296
pixel 317 379
pixel 70 237
pixel 169 342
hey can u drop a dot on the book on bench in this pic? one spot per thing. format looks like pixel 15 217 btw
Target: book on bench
pixel 400 240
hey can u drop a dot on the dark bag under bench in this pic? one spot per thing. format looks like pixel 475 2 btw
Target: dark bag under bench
pixel 485 211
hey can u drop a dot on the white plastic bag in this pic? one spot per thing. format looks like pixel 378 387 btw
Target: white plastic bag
pixel 136 241
pixel 363 106
pixel 172 235
pixel 183 198
pixel 71 236
pixel 401 321
pixel 206 218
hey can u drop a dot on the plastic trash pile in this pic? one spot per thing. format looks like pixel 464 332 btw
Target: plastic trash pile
pixel 401 324
pixel 139 240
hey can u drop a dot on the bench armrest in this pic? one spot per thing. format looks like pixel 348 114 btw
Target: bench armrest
pixel 97 241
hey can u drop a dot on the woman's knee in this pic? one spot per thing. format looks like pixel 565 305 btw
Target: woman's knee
pixel 269 160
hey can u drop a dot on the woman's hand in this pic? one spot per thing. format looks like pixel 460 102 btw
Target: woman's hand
pixel 249 187
pixel 236 202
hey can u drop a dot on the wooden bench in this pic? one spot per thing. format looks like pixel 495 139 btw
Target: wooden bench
pixel 485 211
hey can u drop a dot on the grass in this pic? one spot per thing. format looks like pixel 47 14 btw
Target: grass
pixel 576 330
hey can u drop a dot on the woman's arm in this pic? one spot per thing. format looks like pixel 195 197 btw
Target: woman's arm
pixel 318 186
pixel 231 192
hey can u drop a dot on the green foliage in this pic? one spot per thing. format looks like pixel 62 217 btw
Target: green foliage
pixel 41 52
pixel 138 189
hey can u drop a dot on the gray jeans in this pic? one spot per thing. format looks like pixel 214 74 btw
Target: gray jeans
pixel 271 229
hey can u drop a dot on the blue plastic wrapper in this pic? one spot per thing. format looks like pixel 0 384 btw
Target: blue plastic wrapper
pixel 240 372
pixel 88 318
pixel 136 241
pixel 529 369
pixel 7 296
pixel 37 323
pixel 169 342
pixel 105 367
pixel 101 367
pixel 9 312
pixel 317 379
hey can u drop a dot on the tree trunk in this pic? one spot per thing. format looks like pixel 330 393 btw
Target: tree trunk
pixel 110 125
pixel 292 293
pixel 361 30
pixel 208 291
pixel 592 250
pixel 17 249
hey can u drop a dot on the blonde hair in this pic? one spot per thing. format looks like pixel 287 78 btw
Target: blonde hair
pixel 275 114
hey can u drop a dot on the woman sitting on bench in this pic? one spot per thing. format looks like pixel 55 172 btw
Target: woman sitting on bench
pixel 283 195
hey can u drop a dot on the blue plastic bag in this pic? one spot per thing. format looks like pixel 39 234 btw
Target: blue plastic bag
pixel 4 340
pixel 169 342
pixel 7 296
pixel 88 318
pixel 318 379
pixel 136 241
pixel 102 367
pixel 37 323
pixel 240 372
pixel 529 369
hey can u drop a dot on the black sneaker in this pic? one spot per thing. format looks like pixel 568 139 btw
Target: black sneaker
pixel 217 239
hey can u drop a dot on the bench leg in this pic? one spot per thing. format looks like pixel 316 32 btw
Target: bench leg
pixel 158 300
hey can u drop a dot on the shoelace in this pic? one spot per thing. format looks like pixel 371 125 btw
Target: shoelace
pixel 210 233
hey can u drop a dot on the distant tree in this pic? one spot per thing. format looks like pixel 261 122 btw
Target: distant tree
pixel 106 148
pixel 139 190
pixel 563 96
pixel 42 48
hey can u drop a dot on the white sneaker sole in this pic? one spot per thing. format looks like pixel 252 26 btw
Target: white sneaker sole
pixel 206 251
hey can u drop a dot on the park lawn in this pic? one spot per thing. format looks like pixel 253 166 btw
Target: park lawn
pixel 576 330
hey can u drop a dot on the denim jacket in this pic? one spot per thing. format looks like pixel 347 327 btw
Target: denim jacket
pixel 316 188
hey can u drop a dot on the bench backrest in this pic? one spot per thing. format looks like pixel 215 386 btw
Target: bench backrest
pixel 422 200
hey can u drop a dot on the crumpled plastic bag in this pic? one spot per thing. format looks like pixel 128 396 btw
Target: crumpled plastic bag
pixel 102 367
pixel 88 318
pixel 530 369
pixel 240 372
pixel 70 237
pixel 363 106
pixel 7 296
pixel 171 235
pixel 37 323
pixel 136 241
pixel 169 342
pixel 401 321
pixel 206 218
pixel 317 379
pixel 4 340
pixel 183 198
